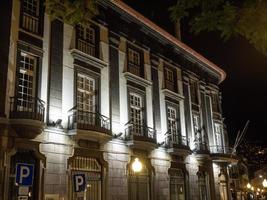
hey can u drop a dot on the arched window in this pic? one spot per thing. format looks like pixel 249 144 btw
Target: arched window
pixel 92 170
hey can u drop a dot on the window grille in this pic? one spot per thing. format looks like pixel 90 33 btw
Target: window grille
pixel 92 170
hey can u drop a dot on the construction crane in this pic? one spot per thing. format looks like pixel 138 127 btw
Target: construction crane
pixel 239 138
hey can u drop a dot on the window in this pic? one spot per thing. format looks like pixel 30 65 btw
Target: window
pixel 26 80
pixel 215 102
pixel 86 40
pixel 170 79
pixel 196 124
pixel 86 99
pixel 92 170
pixel 194 92
pixel 173 124
pixel 134 62
pixel 177 184
pixel 30 15
pixel 139 184
pixel 218 138
pixel 136 113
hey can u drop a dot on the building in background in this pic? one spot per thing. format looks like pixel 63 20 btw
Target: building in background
pixel 87 102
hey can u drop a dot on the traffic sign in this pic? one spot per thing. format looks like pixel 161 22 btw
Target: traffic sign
pixel 79 182
pixel 24 174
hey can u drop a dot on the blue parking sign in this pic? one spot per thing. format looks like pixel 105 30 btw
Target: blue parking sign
pixel 79 182
pixel 24 174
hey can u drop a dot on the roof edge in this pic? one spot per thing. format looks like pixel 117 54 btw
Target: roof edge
pixel 170 37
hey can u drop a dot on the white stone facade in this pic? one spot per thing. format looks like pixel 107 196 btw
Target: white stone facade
pixel 57 145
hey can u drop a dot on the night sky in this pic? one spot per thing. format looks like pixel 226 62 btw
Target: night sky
pixel 244 91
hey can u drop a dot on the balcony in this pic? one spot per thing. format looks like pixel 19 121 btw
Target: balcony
pixel 89 126
pixel 177 144
pixel 169 85
pixel 140 136
pixel 134 69
pixel 30 23
pixel 27 116
pixel 86 47
pixel 222 154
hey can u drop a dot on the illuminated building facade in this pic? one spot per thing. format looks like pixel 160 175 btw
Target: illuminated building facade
pixel 91 99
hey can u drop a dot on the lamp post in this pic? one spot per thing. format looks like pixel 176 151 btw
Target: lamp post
pixel 137 167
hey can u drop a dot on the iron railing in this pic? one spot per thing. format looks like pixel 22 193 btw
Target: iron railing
pixel 30 23
pixel 144 131
pixel 27 108
pixel 221 149
pixel 86 47
pixel 200 145
pixel 175 139
pixel 88 121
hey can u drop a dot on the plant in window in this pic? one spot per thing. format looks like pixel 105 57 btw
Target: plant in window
pixel 72 11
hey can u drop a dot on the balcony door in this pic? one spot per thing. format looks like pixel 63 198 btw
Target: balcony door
pixel 218 138
pixel 86 99
pixel 172 123
pixel 136 113
pixel 26 82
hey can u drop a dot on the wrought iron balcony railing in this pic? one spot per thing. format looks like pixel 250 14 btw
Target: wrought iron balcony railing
pixel 175 139
pixel 27 108
pixel 221 150
pixel 200 146
pixel 139 130
pixel 88 121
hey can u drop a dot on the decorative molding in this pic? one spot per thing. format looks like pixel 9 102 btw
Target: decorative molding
pixel 131 77
pixel 173 95
pixel 77 54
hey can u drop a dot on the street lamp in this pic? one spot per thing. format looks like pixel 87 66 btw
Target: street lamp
pixel 248 186
pixel 137 166
pixel 264 183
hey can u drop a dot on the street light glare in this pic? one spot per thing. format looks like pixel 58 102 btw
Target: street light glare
pixel 264 183
pixel 248 186
pixel 137 165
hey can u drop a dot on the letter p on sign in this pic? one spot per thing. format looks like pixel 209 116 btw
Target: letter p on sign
pixel 79 182
pixel 24 174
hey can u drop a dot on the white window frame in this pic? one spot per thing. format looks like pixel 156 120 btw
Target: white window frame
pixel 26 62
pixel 134 109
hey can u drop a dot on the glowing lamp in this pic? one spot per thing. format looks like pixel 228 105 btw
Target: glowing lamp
pixel 264 183
pixel 137 165
pixel 248 186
